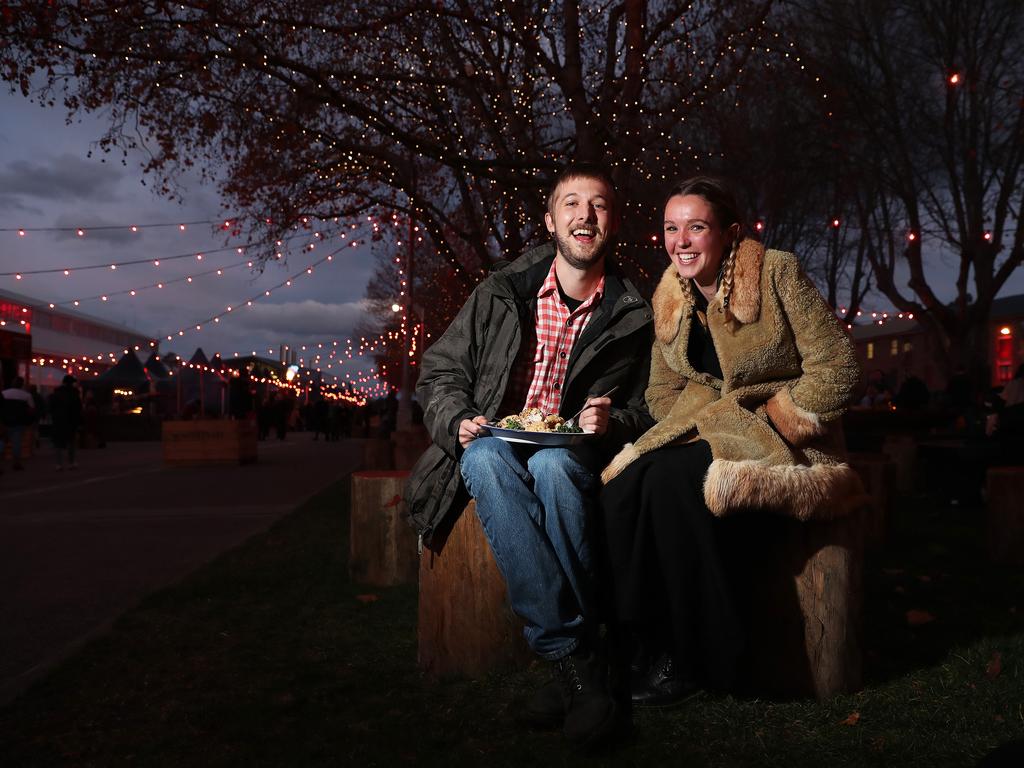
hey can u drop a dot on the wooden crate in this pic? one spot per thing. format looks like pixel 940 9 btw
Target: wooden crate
pixel 211 441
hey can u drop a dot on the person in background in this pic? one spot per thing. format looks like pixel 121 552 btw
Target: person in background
pixel 319 419
pixel 913 394
pixel 40 412
pixel 65 416
pixel 18 414
pixel 3 430
pixel 1013 392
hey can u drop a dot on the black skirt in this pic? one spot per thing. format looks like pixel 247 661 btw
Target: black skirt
pixel 664 564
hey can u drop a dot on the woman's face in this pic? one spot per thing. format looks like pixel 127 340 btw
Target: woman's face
pixel 694 240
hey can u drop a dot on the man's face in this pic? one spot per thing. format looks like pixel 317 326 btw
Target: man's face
pixel 583 220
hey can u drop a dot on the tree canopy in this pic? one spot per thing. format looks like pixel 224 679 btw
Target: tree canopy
pixel 441 123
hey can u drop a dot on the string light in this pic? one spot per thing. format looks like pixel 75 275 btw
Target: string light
pixel 68 270
pixel 114 227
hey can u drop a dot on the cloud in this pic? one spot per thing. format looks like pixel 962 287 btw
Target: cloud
pixel 63 178
pixel 12 203
pixel 305 318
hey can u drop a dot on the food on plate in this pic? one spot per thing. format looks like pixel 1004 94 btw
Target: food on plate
pixel 535 420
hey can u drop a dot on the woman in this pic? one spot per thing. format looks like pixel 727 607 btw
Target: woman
pixel 750 370
pixel 1013 392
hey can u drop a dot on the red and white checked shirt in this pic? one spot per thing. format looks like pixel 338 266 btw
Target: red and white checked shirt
pixel 539 370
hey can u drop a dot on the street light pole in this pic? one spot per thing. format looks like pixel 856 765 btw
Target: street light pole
pixel 404 416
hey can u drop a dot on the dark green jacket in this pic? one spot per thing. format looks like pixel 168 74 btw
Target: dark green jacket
pixel 466 371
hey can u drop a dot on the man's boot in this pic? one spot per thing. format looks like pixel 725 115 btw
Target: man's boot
pixel 590 711
pixel 543 709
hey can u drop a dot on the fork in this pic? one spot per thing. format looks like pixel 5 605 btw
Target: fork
pixel 571 421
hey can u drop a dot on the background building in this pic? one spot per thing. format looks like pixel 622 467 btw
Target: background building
pixel 900 347
pixel 42 343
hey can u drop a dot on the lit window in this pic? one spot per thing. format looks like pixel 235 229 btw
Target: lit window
pixel 907 346
pixel 871 350
pixel 894 347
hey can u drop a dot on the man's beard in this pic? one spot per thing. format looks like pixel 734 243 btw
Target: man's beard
pixel 566 244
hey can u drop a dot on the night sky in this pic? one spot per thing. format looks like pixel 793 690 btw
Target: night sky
pixel 48 180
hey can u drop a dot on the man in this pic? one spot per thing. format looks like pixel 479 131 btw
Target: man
pixel 66 415
pixel 555 329
pixel 18 410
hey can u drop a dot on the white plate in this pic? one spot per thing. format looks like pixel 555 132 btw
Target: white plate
pixel 553 439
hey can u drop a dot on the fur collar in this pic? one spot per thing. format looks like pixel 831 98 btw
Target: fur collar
pixel 672 304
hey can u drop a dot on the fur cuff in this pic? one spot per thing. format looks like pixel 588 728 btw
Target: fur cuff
pixel 791 421
pixel 821 492
pixel 622 459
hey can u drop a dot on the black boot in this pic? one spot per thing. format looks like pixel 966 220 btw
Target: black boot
pixel 590 711
pixel 544 708
pixel 665 685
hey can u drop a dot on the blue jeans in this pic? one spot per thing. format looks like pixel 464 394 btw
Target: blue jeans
pixel 14 437
pixel 535 507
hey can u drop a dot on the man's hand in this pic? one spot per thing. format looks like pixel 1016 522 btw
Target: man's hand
pixel 595 416
pixel 469 430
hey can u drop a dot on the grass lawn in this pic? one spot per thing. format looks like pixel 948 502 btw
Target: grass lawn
pixel 269 656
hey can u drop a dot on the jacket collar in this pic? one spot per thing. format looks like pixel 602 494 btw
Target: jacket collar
pixel 672 304
pixel 525 275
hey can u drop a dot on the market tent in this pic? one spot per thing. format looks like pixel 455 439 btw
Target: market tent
pixel 202 390
pixel 171 361
pixel 156 368
pixel 127 373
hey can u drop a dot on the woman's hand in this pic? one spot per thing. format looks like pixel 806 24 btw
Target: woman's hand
pixel 595 416
pixel 469 430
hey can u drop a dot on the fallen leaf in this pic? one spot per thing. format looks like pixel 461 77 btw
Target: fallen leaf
pixel 366 599
pixel 853 719
pixel 916 618
pixel 924 579
pixel 995 666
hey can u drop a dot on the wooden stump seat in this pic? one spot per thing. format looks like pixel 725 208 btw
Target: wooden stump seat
pixel 382 546
pixel 800 585
pixel 1005 518
pixel 799 589
pixel 466 627
pixel 880 476
pixel 902 449
pixel 377 454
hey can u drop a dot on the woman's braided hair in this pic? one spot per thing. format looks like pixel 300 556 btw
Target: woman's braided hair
pixel 722 201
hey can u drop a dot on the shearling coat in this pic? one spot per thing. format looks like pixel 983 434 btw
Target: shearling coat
pixel 772 421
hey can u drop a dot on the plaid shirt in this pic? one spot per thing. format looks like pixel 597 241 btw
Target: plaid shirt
pixel 540 368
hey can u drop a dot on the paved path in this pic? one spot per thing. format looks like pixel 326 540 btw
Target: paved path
pixel 78 548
